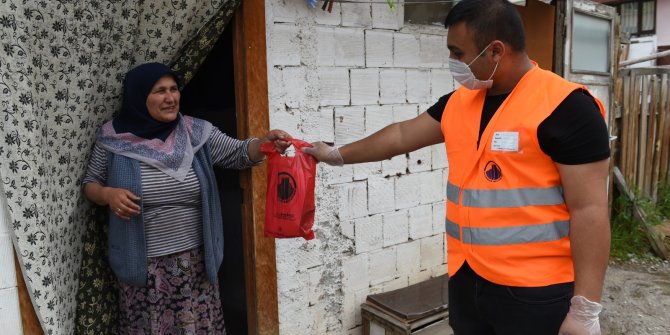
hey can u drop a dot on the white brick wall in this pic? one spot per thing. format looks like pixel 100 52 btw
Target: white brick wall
pixel 432 49
pixel 349 124
pixel 405 50
pixel 383 18
pixel 377 117
pixel 364 86
pixel 323 17
pixel 407 191
pixel 352 199
pixel 392 86
pixel 325 46
pixel 285 43
pixel 395 227
pixel 369 233
pixel 381 194
pixel 339 77
pixel 420 222
pixel 441 83
pixel 404 112
pixel 378 48
pixel 334 86
pixel 382 265
pixel 356 15
pixel 395 166
pixel 418 86
pixel 409 258
pixel 356 273
pixel 363 171
pixel 349 47
pixel 420 160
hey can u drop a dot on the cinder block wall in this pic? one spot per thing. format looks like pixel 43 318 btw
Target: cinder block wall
pixel 380 226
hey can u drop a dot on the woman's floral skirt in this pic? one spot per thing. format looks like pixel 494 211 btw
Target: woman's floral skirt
pixel 178 299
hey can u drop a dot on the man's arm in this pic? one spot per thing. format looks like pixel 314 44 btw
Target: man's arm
pixel 394 139
pixel 585 190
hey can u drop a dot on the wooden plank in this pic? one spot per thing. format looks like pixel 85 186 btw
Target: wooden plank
pixel 642 136
pixel 647 71
pixel 651 135
pixel 628 98
pixel 665 139
pixel 251 94
pixel 653 234
pixel 635 114
pixel 625 122
pixel 659 99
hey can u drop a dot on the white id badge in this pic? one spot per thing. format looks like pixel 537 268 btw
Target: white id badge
pixel 505 141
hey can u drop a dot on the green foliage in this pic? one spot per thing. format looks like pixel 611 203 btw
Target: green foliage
pixel 629 240
pixel 663 204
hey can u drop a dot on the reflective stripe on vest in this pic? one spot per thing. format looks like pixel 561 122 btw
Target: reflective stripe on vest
pixel 509 198
pixel 510 235
pixel 516 197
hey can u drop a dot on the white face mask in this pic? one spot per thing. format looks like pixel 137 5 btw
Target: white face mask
pixel 462 73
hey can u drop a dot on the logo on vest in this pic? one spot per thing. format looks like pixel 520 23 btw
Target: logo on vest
pixel 492 172
pixel 286 187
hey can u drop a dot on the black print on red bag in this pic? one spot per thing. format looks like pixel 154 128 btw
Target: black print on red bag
pixel 289 205
pixel 286 188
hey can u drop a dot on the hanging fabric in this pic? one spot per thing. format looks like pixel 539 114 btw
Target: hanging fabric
pixel 60 79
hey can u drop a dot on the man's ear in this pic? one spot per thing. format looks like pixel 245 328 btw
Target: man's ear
pixel 498 50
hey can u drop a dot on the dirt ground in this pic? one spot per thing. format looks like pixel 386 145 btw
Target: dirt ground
pixel 636 299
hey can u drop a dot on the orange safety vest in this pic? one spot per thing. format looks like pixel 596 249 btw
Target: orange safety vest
pixel 506 214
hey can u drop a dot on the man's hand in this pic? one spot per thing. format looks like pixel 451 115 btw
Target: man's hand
pixel 325 153
pixel 582 318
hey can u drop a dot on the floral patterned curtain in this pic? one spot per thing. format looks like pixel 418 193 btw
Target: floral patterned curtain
pixel 60 78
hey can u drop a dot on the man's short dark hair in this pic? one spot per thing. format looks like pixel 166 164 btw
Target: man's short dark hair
pixel 490 20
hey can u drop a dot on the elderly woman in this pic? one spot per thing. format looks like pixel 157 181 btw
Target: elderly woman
pixel 153 167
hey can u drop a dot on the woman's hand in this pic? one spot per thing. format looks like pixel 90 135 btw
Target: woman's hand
pixel 122 202
pixel 277 136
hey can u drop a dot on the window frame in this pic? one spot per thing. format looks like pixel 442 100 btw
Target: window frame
pixel 617 4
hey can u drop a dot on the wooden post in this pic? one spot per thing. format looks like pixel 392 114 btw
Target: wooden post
pixel 665 139
pixel 625 122
pixel 642 138
pixel 651 134
pixel 251 94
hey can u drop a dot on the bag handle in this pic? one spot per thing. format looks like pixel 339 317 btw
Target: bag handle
pixel 268 148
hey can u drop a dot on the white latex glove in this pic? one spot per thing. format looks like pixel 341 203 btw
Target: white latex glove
pixel 582 318
pixel 325 153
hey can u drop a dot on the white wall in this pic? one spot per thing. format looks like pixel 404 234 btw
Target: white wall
pixel 662 22
pixel 10 316
pixel 641 47
pixel 380 226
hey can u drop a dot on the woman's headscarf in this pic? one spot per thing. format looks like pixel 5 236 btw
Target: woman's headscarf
pixel 134 117
pixel 167 146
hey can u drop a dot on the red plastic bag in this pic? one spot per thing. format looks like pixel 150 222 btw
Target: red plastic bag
pixel 289 207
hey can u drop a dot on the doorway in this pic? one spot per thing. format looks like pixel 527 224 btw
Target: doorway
pixel 210 95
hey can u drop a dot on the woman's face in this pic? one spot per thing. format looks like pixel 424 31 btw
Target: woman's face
pixel 163 99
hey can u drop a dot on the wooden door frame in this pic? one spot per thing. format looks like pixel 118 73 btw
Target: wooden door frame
pixel 251 100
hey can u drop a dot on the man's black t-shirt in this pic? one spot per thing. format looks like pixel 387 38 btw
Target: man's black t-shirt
pixel 574 133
